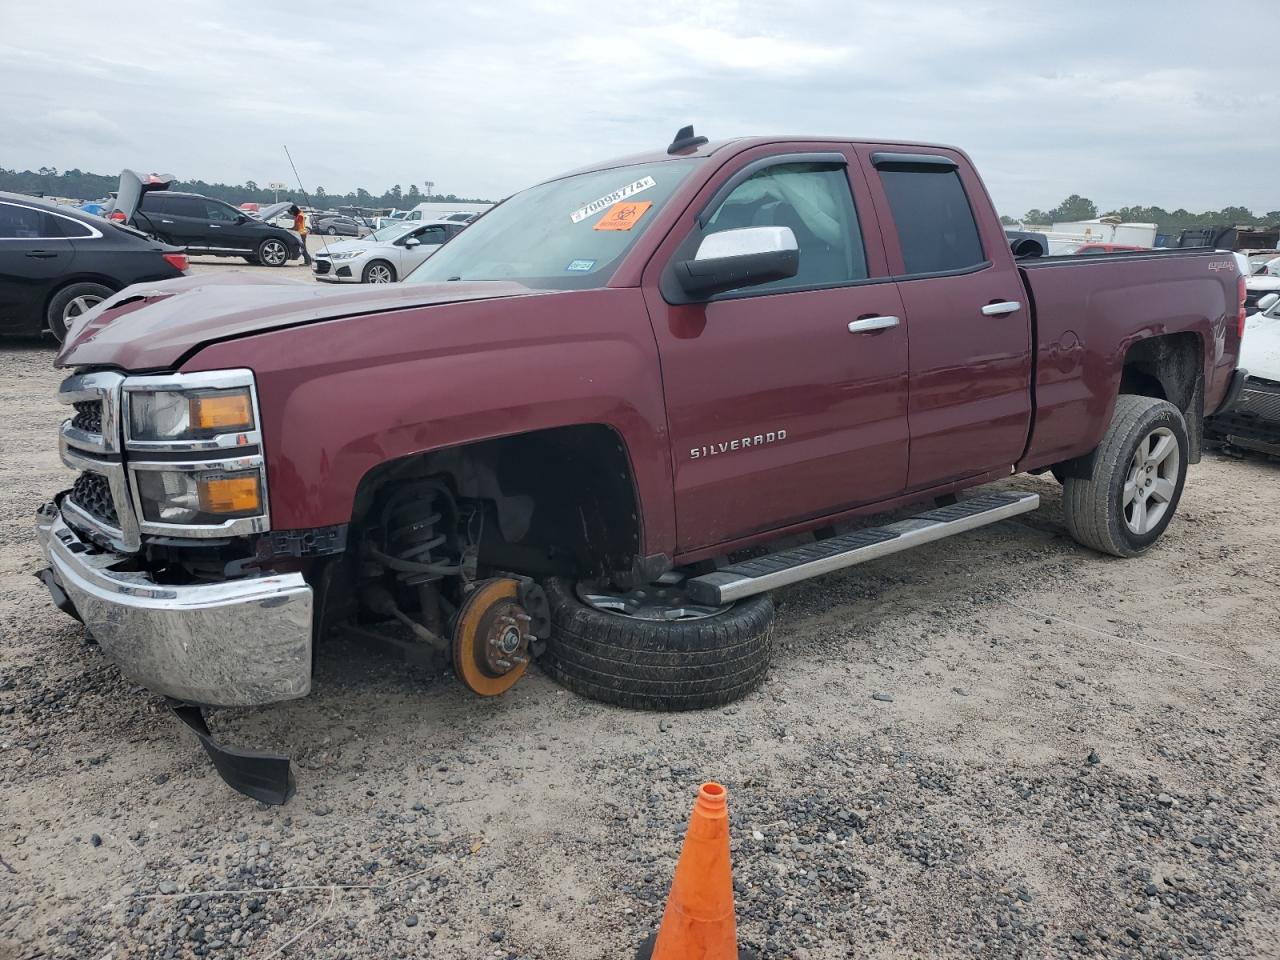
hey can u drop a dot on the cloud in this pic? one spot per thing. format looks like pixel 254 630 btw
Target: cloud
pixel 1102 99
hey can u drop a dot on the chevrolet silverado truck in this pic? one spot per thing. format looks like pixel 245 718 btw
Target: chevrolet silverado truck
pixel 560 435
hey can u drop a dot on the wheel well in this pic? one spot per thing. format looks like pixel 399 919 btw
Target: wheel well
pixel 557 501
pixel 1165 367
pixel 1170 368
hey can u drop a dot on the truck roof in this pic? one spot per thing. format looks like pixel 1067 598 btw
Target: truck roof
pixel 737 145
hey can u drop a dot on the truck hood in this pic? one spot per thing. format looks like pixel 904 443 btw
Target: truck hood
pixel 153 326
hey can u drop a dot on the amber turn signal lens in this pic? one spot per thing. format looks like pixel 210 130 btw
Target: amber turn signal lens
pixel 222 411
pixel 231 495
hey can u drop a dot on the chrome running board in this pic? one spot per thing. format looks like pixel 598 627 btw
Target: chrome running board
pixel 814 559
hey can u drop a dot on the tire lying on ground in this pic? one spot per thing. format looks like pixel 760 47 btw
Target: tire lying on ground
pixel 1136 481
pixel 654 664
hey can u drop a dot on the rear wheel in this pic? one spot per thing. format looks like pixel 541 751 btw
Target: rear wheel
pixel 273 252
pixel 70 303
pixel 332 231
pixel 379 272
pixel 652 649
pixel 1133 489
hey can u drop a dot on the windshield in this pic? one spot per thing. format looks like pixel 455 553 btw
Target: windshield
pixel 563 235
pixel 390 232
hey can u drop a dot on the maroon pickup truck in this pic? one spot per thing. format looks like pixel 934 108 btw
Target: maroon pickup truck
pixel 558 437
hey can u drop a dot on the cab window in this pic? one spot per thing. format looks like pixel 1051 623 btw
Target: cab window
pixel 814 201
pixel 936 228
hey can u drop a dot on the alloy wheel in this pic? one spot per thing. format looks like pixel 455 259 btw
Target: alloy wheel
pixel 78 306
pixel 1151 482
pixel 274 253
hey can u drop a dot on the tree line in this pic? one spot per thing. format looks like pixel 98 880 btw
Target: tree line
pixel 77 184
pixel 1171 222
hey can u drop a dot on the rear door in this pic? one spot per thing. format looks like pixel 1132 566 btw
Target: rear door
pixel 175 219
pixel 969 325
pixel 785 401
pixel 34 252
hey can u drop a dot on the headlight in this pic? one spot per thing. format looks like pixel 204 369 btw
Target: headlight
pixel 189 415
pixel 347 254
pixel 206 497
pixel 193 454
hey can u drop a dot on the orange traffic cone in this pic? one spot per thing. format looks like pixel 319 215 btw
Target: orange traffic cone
pixel 699 923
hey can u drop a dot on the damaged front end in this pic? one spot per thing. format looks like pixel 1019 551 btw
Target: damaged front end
pixel 172 465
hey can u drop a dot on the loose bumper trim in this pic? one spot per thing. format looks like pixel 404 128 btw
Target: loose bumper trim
pixel 235 643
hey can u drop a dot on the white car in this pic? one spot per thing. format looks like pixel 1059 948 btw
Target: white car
pixel 385 256
pixel 1253 421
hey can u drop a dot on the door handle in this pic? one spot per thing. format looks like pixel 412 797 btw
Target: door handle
pixel 41 255
pixel 871 324
pixel 166 221
pixel 1002 308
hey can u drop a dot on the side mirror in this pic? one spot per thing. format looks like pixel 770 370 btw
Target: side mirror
pixel 744 257
pixel 413 242
pixel 241 218
pixel 1266 303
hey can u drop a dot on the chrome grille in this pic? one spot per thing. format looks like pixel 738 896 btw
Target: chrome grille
pixel 90 442
pixel 92 494
pixel 88 416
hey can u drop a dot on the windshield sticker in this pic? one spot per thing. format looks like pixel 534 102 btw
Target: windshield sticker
pixel 581 266
pixel 623 216
pixel 595 206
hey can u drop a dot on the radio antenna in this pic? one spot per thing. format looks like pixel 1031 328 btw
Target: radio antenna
pixel 324 241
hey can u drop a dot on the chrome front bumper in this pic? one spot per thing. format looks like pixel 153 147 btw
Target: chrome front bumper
pixel 231 644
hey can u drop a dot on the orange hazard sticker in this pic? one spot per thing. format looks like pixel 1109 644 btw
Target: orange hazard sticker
pixel 624 215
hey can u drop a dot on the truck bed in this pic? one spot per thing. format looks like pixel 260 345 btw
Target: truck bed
pixel 1087 311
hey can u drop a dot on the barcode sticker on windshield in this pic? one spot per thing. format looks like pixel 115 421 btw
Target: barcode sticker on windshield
pixel 609 199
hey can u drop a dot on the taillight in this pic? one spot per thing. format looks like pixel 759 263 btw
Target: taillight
pixel 116 215
pixel 1240 317
pixel 176 260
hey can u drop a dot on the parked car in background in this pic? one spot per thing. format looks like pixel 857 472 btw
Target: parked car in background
pixel 1254 422
pixel 205 226
pixel 336 225
pixel 57 263
pixel 384 256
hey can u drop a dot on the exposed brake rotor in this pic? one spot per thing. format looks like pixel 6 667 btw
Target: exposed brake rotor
pixel 491 638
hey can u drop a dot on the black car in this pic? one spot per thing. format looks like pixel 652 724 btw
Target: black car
pixel 206 227
pixel 56 263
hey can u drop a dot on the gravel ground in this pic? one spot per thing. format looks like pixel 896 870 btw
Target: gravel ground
pixel 1003 745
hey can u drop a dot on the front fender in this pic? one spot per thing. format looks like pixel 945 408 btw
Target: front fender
pixel 340 397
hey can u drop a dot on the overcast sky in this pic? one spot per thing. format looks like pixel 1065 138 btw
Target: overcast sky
pixel 1163 102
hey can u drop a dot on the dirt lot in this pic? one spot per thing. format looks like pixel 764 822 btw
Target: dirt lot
pixel 1069 756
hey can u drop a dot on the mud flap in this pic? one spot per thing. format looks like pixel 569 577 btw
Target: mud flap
pixel 265 777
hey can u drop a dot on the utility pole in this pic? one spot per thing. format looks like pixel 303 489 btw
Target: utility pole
pixel 431 186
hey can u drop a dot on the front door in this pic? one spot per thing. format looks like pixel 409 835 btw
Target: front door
pixel 970 327
pixel 785 401
pixel 229 229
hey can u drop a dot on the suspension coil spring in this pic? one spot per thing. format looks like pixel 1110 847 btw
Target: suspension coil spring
pixel 413 532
